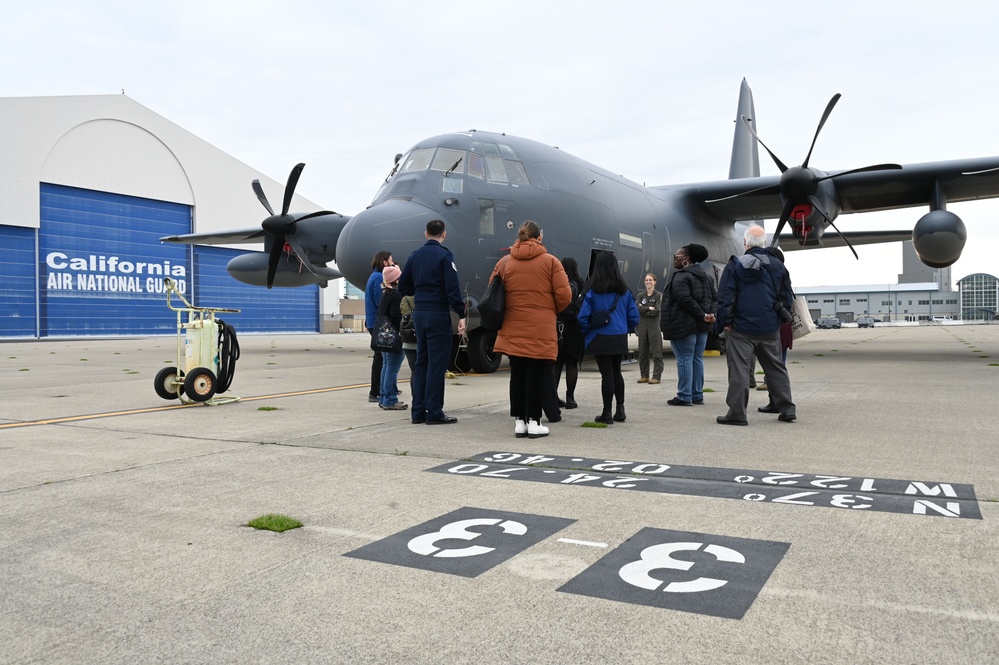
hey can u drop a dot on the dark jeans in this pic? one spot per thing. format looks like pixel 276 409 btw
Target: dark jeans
pixel 433 346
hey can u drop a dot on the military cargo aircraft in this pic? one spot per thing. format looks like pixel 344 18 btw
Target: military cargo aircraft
pixel 483 185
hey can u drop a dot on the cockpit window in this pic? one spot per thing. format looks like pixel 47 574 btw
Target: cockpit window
pixel 476 166
pixel 489 149
pixel 446 158
pixel 518 175
pixel 418 160
pixel 496 170
pixel 496 163
pixel 507 151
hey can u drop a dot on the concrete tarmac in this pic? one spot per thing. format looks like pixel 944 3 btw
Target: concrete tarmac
pixel 865 532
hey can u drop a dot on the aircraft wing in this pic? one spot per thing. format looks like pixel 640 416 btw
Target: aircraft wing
pixel 254 235
pixel 789 243
pixel 912 185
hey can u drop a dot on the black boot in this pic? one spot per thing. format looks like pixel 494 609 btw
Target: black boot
pixel 605 417
pixel 619 414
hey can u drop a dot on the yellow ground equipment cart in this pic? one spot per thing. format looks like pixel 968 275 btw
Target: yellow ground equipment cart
pixel 207 351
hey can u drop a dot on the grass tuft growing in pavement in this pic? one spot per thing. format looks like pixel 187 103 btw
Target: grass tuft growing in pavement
pixel 274 522
pixel 590 423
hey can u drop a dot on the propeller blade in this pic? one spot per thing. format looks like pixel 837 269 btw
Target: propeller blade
pixel 983 172
pixel 259 191
pixel 289 189
pixel 770 189
pixel 784 216
pixel 815 204
pixel 300 252
pixel 777 161
pixel 316 214
pixel 873 167
pixel 822 122
pixel 277 246
pixel 846 240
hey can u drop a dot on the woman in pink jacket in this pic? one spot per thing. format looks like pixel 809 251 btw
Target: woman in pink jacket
pixel 537 289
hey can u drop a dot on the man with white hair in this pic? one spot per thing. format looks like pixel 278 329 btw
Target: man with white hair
pixel 754 297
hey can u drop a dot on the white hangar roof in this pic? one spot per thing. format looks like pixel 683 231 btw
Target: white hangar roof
pixel 111 143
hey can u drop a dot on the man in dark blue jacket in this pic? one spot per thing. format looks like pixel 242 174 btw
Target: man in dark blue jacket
pixel 431 277
pixel 754 288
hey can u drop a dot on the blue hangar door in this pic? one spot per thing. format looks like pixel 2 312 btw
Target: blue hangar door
pixel 101 270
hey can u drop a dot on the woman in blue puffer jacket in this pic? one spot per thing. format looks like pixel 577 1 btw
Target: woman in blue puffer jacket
pixel 607 292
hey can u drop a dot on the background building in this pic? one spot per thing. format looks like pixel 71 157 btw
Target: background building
pixel 88 185
pixel 921 294
pixel 979 297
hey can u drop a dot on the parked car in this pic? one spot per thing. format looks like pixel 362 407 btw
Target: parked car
pixel 865 322
pixel 941 319
pixel 829 322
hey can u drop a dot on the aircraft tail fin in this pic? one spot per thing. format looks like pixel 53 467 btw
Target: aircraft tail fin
pixel 745 151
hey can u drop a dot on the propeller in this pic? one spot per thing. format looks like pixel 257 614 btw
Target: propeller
pixel 281 227
pixel 799 184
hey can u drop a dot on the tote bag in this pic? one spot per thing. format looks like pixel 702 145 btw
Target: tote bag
pixel 385 337
pixel 801 318
pixel 493 303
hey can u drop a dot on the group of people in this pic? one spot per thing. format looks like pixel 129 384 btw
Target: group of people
pixel 552 318
pixel 427 288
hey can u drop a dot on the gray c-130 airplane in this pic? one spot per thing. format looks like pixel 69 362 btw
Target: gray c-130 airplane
pixel 484 185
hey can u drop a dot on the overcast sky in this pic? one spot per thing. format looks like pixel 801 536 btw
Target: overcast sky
pixel 644 89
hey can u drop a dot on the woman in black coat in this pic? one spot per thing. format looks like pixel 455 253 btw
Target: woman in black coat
pixel 689 304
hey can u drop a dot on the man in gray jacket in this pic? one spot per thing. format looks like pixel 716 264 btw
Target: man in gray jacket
pixel 753 295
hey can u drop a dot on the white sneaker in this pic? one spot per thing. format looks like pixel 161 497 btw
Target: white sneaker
pixel 535 429
pixel 520 429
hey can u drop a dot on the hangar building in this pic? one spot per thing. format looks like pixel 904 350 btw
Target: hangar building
pixel 88 185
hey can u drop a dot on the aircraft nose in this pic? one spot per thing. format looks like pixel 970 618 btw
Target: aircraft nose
pixel 396 225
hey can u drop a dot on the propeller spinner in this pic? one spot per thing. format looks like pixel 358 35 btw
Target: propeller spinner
pixel 798 184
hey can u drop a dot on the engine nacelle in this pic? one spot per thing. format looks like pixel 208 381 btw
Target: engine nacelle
pixel 252 269
pixel 939 238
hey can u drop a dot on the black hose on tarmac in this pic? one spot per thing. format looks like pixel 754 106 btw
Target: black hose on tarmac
pixel 228 355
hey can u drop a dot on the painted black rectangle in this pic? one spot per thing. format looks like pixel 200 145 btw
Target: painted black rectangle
pixel 465 542
pixel 885 495
pixel 690 572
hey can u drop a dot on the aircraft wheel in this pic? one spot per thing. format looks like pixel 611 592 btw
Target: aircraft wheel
pixel 480 351
pixel 166 383
pixel 200 384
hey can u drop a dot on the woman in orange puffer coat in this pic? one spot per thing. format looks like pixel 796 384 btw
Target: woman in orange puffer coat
pixel 536 289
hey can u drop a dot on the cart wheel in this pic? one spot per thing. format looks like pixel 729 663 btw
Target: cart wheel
pixel 200 384
pixel 167 384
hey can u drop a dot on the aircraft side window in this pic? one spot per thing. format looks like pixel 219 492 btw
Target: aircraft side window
pixel 496 170
pixel 476 167
pixel 487 217
pixel 487 149
pixel 507 151
pixel 418 160
pixel 518 175
pixel 446 158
